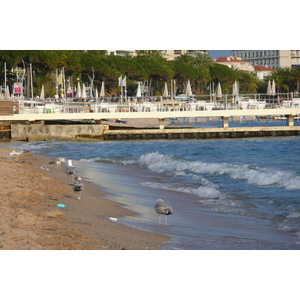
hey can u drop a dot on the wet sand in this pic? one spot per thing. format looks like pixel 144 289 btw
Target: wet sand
pixel 30 219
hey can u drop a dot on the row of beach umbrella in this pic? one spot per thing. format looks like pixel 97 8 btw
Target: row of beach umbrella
pixel 81 92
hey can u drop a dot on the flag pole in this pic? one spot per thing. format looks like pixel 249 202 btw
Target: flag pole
pixel 56 82
pixel 31 81
pixel 121 89
pixel 5 76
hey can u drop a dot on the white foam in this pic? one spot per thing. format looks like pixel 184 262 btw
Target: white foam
pixel 294 215
pixel 202 191
pixel 170 165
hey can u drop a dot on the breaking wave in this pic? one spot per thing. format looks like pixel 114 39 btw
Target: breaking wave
pixel 170 165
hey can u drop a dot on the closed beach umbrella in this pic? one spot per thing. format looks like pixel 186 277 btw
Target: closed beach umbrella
pixel 219 91
pixel 102 91
pixel 166 93
pixel 138 92
pixel 235 88
pixel 83 93
pixel 188 89
pixel 7 94
pixel 78 92
pixel 42 96
pixel 96 93
pixel 273 88
pixel 269 89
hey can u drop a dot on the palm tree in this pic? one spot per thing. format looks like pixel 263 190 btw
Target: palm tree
pixel 282 79
pixel 295 75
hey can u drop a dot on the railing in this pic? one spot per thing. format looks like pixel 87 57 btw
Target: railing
pixel 197 103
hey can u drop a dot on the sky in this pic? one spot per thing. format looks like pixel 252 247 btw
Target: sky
pixel 217 53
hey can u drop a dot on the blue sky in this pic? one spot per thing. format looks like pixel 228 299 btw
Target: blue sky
pixel 217 53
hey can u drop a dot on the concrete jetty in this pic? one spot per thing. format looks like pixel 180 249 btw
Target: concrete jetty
pixel 201 133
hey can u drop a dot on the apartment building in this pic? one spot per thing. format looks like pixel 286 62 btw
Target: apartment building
pixel 269 58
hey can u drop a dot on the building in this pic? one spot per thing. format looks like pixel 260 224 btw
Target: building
pixel 239 64
pixel 270 58
pixel 234 63
pixel 120 52
pixel 173 54
pixel 295 57
pixel 262 71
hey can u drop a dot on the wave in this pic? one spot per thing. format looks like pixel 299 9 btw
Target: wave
pixel 41 145
pixel 202 191
pixel 173 166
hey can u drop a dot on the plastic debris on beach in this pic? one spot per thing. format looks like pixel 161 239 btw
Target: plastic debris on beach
pixel 113 219
pixel 60 205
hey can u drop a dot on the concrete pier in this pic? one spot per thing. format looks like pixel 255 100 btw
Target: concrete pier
pixel 33 127
pixel 41 132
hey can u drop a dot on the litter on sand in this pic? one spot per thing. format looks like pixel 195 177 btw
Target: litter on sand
pixel 60 205
pixel 113 219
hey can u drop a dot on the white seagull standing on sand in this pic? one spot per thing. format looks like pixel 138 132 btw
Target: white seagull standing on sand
pixel 70 169
pixel 163 209
pixel 58 161
pixel 78 187
pixel 17 153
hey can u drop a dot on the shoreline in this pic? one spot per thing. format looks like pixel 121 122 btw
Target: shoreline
pixel 31 220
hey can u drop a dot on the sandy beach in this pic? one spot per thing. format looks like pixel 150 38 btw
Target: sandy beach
pixel 31 189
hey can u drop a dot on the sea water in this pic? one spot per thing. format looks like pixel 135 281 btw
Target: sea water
pixel 226 194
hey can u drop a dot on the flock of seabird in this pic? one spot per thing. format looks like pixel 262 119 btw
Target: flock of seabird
pixel 161 207
pixel 78 184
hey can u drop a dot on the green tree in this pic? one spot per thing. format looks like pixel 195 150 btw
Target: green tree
pixel 156 67
pixel 282 79
pixel 42 61
pixel 223 74
pixel 247 82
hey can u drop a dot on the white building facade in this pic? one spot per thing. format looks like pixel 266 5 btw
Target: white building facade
pixel 173 54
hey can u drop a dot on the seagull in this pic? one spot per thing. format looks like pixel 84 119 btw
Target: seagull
pixel 70 169
pixel 58 161
pixel 78 187
pixel 163 209
pixel 17 153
